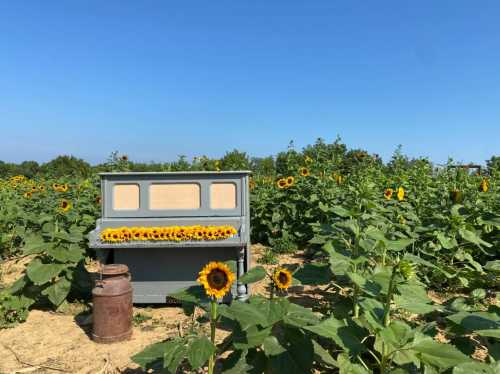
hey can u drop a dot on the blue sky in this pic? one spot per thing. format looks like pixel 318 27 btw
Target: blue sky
pixel 156 79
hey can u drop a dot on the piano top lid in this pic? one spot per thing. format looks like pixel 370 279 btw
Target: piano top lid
pixel 190 173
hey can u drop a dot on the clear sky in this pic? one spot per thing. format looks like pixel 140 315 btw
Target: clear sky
pixel 156 79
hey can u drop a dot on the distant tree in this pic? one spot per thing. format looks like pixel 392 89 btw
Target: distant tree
pixel 235 160
pixel 263 165
pixel 493 165
pixel 29 168
pixel 66 166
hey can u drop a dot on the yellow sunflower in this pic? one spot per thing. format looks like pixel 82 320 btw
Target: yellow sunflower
pixel 282 278
pixel 216 278
pixel 484 185
pixel 33 188
pixel 401 194
pixel 28 195
pixel 304 172
pixel 63 187
pixel 41 188
pixel 282 183
pixel 308 159
pixel 290 181
pixel 65 205
pixel 339 179
pixel 388 193
pixel 55 186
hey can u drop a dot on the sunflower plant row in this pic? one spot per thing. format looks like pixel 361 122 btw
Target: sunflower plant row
pixel 167 233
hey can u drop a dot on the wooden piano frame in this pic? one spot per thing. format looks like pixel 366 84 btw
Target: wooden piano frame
pixel 159 268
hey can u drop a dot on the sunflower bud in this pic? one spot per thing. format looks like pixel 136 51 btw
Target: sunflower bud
pixel 456 196
pixel 406 269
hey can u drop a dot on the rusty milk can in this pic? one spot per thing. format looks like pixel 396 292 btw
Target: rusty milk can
pixel 112 300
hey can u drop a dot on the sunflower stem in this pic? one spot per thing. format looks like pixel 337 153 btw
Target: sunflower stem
pixel 213 320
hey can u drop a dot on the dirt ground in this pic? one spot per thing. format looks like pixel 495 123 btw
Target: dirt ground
pixel 50 342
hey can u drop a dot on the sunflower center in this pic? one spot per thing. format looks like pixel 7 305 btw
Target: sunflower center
pixel 283 278
pixel 217 279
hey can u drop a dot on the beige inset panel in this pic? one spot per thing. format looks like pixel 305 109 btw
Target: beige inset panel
pixel 174 196
pixel 126 197
pixel 223 196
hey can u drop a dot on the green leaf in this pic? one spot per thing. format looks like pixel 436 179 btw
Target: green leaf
pixel 322 356
pixel 397 334
pixel 58 291
pixel 313 274
pixel 347 367
pixel 41 273
pixel 253 336
pixel 151 356
pixel 274 310
pixel 473 238
pixel 272 346
pixel 344 334
pixel 199 350
pixel 193 294
pixel 445 241
pixel 246 314
pixel 34 244
pixel 492 333
pixel 236 363
pixel 421 261
pixel 255 274
pixel 299 316
pixel 414 299
pixel 436 354
pixel 342 212
pixel 474 367
pixel 19 284
pixel 493 266
pixel 298 356
pixel 71 253
pixel 476 321
pixel 399 245
pixel 367 285
pixel 174 354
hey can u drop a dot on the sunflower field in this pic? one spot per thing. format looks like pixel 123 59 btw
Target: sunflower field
pixel 401 259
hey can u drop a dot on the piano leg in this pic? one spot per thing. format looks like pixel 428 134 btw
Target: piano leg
pixel 241 288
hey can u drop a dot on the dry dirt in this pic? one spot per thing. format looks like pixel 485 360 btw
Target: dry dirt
pixel 50 342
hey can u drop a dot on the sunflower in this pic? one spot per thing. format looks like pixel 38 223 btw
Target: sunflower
pixel 282 278
pixel 484 185
pixel 304 172
pixel 55 186
pixel 251 184
pixel 290 181
pixel 456 196
pixel 339 179
pixel 63 187
pixel 388 193
pixel 308 160
pixel 28 195
pixel 282 183
pixel 216 278
pixel 65 205
pixel 41 188
pixel 33 188
pixel 124 158
pixel 401 194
